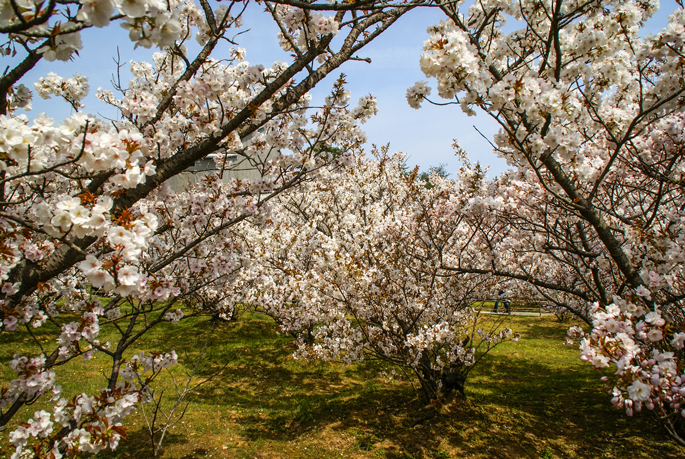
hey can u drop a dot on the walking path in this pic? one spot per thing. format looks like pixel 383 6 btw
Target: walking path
pixel 515 313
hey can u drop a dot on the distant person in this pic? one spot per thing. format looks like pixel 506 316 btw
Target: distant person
pixel 502 299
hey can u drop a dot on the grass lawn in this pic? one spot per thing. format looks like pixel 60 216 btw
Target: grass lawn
pixel 530 399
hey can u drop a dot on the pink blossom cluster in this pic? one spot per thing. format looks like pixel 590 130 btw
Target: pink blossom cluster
pixel 73 90
pixel 646 360
pixel 33 379
pixel 300 26
pixel 98 420
pixel 148 363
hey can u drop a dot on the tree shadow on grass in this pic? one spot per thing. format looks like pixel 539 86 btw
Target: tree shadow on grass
pixel 531 403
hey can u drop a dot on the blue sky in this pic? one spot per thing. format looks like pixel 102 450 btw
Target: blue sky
pixel 426 134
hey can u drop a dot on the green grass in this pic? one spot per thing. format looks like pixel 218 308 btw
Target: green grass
pixel 530 399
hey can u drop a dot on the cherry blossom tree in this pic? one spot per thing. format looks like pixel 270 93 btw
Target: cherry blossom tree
pixel 592 214
pixel 85 206
pixel 351 266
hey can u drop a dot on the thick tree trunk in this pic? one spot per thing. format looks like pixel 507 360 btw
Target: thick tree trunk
pixel 442 384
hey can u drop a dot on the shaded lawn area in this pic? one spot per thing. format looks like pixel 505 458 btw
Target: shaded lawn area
pixel 530 399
